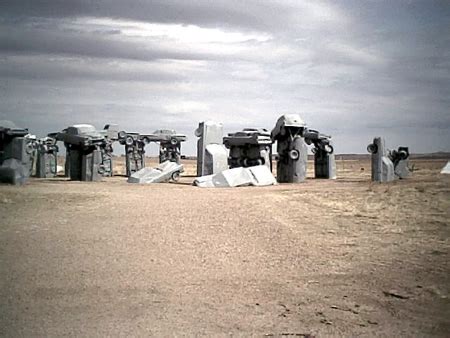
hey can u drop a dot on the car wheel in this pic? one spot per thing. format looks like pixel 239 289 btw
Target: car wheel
pixel 175 176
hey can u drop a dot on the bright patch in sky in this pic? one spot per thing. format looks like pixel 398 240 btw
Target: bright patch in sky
pixel 352 69
pixel 176 32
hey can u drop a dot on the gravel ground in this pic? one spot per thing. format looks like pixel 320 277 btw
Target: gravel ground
pixel 322 258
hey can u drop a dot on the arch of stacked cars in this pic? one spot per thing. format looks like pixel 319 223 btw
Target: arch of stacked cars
pixel 239 158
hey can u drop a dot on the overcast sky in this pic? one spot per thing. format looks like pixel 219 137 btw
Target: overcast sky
pixel 354 69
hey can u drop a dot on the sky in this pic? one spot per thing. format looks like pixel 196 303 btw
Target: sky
pixel 352 69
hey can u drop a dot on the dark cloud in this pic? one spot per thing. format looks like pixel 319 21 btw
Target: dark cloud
pixel 350 68
pixel 250 14
pixel 61 69
pixel 76 43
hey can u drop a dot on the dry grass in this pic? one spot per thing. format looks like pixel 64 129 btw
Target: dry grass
pixel 345 257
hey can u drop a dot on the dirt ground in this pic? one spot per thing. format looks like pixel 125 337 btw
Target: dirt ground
pixel 321 258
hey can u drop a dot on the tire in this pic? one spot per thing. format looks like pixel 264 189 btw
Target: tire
pixel 173 141
pixel 329 149
pixel 29 148
pixel 372 148
pixel 122 134
pixel 403 155
pixel 175 176
pixel 294 154
pixel 129 141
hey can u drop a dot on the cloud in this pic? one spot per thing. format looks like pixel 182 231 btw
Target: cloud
pixel 353 69
pixel 84 43
pixel 57 68
pixel 231 13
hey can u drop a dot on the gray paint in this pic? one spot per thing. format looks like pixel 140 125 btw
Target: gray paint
pixel 400 159
pixel 388 165
pixel 169 144
pixel 15 153
pixel 110 132
pixel 292 137
pixel 382 166
pixel 107 159
pixel 165 172
pixel 13 171
pixel 291 148
pixel 67 162
pixel 249 147
pixel 91 166
pixel 169 147
pixel 212 156
pixel 324 159
pixel 236 177
pixel 46 158
pixel 84 148
pixel 446 169
pixel 401 170
pixel 170 151
pixel 324 164
pixel 134 151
